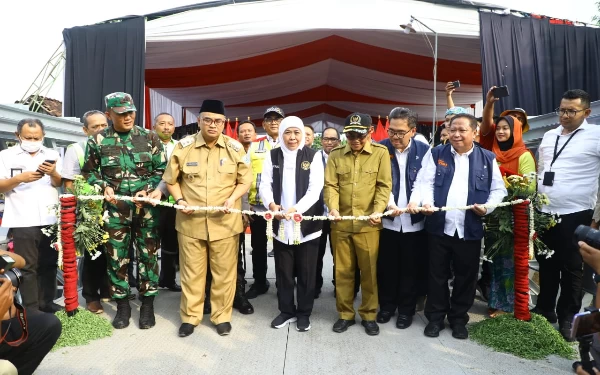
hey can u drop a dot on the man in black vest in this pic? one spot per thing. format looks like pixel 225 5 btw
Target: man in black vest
pixel 402 261
pixel 455 175
pixel 292 181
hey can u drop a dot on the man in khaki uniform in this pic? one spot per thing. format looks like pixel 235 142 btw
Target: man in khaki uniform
pixel 358 182
pixel 208 169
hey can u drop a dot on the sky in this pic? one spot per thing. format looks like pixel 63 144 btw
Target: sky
pixel 32 30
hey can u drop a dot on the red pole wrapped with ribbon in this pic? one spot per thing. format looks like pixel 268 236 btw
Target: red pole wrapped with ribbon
pixel 521 258
pixel 68 220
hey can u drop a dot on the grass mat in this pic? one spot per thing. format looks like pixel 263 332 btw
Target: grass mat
pixel 536 339
pixel 81 328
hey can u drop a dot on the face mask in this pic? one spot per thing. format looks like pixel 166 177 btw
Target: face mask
pixel 31 146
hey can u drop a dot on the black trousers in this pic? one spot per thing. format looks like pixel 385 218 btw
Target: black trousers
pixel 326 233
pixel 300 260
pixel 401 270
pixel 94 277
pixel 241 268
pixel 464 256
pixel 44 329
pixel 38 288
pixel 258 241
pixel 564 268
pixel 169 246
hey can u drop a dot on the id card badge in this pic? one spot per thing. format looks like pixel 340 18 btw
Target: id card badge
pixel 548 179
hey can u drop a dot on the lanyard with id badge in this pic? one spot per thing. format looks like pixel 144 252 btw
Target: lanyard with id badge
pixel 549 176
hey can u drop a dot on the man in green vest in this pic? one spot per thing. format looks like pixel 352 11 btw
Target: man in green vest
pixel 94 276
pixel 258 225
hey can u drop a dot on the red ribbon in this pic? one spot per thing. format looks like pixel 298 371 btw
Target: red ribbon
pixel 67 228
pixel 521 258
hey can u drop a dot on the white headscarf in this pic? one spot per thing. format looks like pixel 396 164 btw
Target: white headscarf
pixel 291 122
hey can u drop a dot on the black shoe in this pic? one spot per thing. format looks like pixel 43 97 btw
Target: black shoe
pixel 147 319
pixel 121 320
pixel 565 330
pixel 224 329
pixel 433 329
pixel 549 315
pixel 282 320
pixel 303 324
pixel 207 309
pixel 483 289
pixel 371 327
pixel 342 325
pixel 52 308
pixel 317 293
pixel 459 331
pixel 403 321
pixel 242 305
pixel 174 287
pixel 271 254
pixel 384 316
pixel 186 329
pixel 256 290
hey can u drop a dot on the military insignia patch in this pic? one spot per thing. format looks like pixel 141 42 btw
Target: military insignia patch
pixel 305 165
pixel 186 141
pixel 355 120
pixel 236 146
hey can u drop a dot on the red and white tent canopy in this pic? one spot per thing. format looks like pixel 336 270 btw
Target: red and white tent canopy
pixel 317 59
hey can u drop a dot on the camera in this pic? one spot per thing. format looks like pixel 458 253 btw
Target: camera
pixel 588 235
pixel 14 275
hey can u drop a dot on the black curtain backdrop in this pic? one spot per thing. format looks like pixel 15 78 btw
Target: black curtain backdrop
pixel 102 59
pixel 538 61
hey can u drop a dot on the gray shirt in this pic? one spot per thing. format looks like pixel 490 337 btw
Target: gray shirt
pixel 71 166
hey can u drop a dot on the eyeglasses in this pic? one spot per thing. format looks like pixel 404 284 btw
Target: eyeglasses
pixel 568 112
pixel 394 134
pixel 209 121
pixel 272 120
pixel 332 140
pixel 352 136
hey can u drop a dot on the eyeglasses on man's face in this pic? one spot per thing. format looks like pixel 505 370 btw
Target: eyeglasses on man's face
pixel 352 136
pixel 329 140
pixel 272 120
pixel 397 134
pixel 209 121
pixel 568 112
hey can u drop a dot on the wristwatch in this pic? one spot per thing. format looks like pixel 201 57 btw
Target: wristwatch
pixel 177 200
pixel 597 278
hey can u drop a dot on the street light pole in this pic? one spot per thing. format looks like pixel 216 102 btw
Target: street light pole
pixel 409 28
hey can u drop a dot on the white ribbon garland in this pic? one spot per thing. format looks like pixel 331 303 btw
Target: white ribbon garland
pixel 269 215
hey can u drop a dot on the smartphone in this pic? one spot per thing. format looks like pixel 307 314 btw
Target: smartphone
pixel 46 161
pixel 500 92
pixel 456 84
pixel 6 262
pixel 585 324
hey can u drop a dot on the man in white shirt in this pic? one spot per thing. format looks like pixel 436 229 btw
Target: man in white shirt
pixel 164 126
pixel 454 175
pixel 402 261
pixel 568 169
pixel 94 276
pixel 29 178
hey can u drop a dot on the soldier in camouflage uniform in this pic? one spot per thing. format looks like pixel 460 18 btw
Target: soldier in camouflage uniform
pixel 127 160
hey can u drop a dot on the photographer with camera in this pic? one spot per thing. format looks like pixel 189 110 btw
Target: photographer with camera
pixel 24 340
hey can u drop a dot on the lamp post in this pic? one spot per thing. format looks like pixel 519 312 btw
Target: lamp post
pixel 408 28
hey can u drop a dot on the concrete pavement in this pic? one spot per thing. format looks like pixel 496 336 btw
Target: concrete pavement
pixel 255 348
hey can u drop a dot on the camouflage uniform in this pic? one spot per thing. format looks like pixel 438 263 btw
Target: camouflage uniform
pixel 128 163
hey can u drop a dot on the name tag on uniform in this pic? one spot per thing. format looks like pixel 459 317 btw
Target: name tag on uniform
pixel 259 151
pixel 192 164
pixel 15 171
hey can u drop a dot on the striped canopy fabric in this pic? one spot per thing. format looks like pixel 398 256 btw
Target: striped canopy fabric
pixel 319 60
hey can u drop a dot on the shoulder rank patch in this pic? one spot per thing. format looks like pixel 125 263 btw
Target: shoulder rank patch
pixel 235 145
pixel 184 142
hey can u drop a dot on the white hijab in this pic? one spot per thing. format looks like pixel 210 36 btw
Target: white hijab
pixel 288 172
